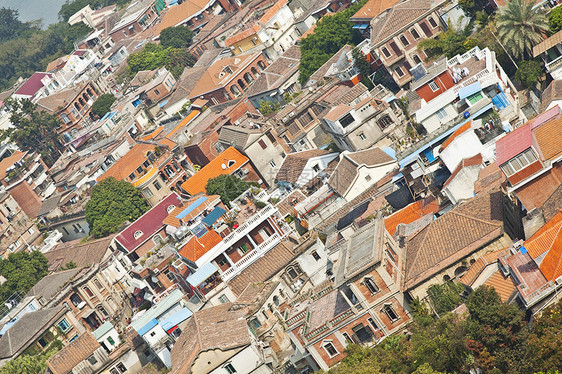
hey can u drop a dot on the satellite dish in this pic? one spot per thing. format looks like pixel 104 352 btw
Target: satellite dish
pixel 223 167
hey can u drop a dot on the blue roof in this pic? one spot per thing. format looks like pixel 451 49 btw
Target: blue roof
pixel 469 90
pixel 362 26
pixel 157 310
pixel 163 103
pixel 108 115
pixel 522 249
pixel 175 319
pixel 143 330
pixel 213 216
pixel 191 207
pixel 202 274
pixel 391 152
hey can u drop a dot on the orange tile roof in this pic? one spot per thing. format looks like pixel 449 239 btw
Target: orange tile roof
pixel 549 138
pixel 179 13
pixel 191 116
pixel 411 213
pixel 171 219
pixel 153 134
pixel 244 34
pixel 9 161
pixel 128 163
pixel 195 248
pixel 272 11
pixel 476 269
pixel 543 239
pixel 308 32
pixel 218 166
pixel 459 131
pixel 373 8
pixel 504 286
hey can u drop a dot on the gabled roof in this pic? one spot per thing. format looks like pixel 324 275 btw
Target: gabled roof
pixel 127 164
pixel 219 327
pixel 399 16
pixel 458 132
pixel 294 164
pixel 82 254
pixel 549 138
pixel 466 162
pixel 148 224
pixel 372 8
pixel 336 112
pixel 61 99
pixel 180 13
pixel 277 73
pixel 10 161
pixel 322 70
pixel 50 285
pixel 504 286
pixel 77 351
pixel 195 248
pixel 513 143
pixel 548 43
pixel 32 85
pixel 553 92
pixel 452 237
pixel 411 213
pixel 227 162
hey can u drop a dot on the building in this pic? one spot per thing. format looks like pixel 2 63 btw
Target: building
pixel 30 87
pixel 136 19
pixel 299 168
pixel 460 185
pixel 18 231
pixel 550 51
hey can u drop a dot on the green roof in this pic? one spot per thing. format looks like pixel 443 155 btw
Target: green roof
pixel 102 330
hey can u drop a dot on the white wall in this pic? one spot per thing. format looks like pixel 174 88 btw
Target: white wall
pixel 246 361
pixel 314 269
pixel 463 146
pixel 308 172
pixel 361 183
pixel 462 186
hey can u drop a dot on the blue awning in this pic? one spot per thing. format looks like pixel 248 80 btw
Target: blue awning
pixel 469 90
pixel 146 328
pixel 522 249
pixel 175 319
pixel 213 216
pixel 202 274
pixel 429 155
pixel 191 207
pixel 163 103
pixel 397 177
pixel 391 152
pixel 362 26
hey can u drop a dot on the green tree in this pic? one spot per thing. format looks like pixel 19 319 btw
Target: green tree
pixel 545 340
pixel 103 103
pixel 176 37
pixel 363 65
pixel 529 73
pixel 471 7
pixel 267 107
pixel 33 130
pixel 111 204
pixel 228 187
pixel 10 26
pixel 555 20
pixel 521 26
pixel 22 271
pixel 449 43
pixel 445 297
pixel 154 56
pixel 25 364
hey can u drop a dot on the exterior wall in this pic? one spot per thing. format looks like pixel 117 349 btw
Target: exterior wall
pixel 444 81
pixel 137 28
pixel 433 122
pixel 262 158
pixel 525 172
pixel 17 230
pixel 321 355
pixel 150 244
pixel 462 186
pixel 131 362
pixel 240 77
pixel 77 112
pixel 151 193
pixel 361 183
pixel 534 193
pixel 308 172
pixel 247 360
pixel 463 146
pixel 73 229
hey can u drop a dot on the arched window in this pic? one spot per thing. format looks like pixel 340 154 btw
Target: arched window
pixel 255 72
pixel 276 300
pixel 241 84
pixel 248 78
pixel 371 285
pixel 417 60
pixel 170 208
pixel 261 66
pixel 137 234
pixel 235 90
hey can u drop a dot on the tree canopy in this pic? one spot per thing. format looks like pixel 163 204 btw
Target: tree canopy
pixel 71 7
pixel 33 130
pixel 449 43
pixel 227 186
pixel 111 204
pixel 176 37
pixel 154 56
pixel 555 20
pixel 25 364
pixel 22 271
pixel 102 104
pixel 529 73
pixel 10 26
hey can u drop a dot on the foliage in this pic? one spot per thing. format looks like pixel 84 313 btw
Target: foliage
pixel 267 107
pixel 471 7
pixel 555 20
pixel 25 364
pixel 529 73
pixel 228 187
pixel 445 297
pixel 332 32
pixel 545 340
pixel 176 37
pixel 520 27
pixel 71 7
pixel 69 265
pixel 449 43
pixel 33 130
pixel 103 103
pixel 154 56
pixel 363 65
pixel 10 26
pixel 22 271
pixel 112 203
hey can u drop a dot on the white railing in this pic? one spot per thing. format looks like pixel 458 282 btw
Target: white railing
pixel 249 258
pixel 233 236
pixel 553 64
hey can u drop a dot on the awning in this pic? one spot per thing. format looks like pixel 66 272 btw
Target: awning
pixel 469 90
pixel 213 216
pixel 362 26
pixel 163 103
pixel 202 274
pixel 146 328
pixel 175 319
pixel 191 207
pixel 88 312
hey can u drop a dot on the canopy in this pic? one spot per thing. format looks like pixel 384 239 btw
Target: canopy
pixel 146 328
pixel 469 90
pixel 175 319
pixel 191 207
pixel 202 274
pixel 213 216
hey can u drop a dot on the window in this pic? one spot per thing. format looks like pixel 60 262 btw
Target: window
pixel 229 369
pixel 315 255
pixel 346 120
pixel 434 87
pixel 110 340
pixel 373 324
pixel 371 285
pixel 147 193
pixel 157 239
pixel 441 113
pixel 330 349
pixel 156 92
pixel 416 59
pixel 157 185
pixel 368 178
pixel 384 121
pixel 519 162
pixel 76 299
pixel 316 168
pixel 65 118
pixel 254 323
pixel 389 311
pixel 223 299
pixel 231 163
pixel 170 208
pixel 92 360
pixel 64 325
pixel 88 292
pixel 385 52
pixel 362 333
pixel 73 338
pixel 262 144
pixel 98 285
pixel 137 234
pixel 404 41
pixel 398 70
pixel 272 163
pixel 432 22
pixel 244 248
pixel 121 367
pixel 30 231
pixel 415 34
pixel 362 136
pixel 292 273
pixel 347 337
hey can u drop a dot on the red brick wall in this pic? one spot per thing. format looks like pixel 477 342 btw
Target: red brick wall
pixel 525 172
pixel 536 192
pixel 324 355
pixel 398 310
pixel 149 244
pixel 371 298
pixel 443 81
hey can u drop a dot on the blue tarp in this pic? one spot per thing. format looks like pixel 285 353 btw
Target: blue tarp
pixel 429 154
pixel 175 319
pixel 202 274
pixel 143 330
pixel 213 216
pixel 469 90
pixel 391 152
pixel 500 101
pixel 523 250
pixel 191 207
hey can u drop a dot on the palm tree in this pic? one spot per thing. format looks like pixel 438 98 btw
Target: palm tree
pixel 520 27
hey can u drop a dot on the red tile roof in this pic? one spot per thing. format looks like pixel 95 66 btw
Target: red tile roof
pixel 195 248
pixel 471 161
pixel 459 131
pixel 542 240
pixel 513 143
pixel 149 223
pixel 32 85
pixel 218 166
pixel 411 213
pixel 123 167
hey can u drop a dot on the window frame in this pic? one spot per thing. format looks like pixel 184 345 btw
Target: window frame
pixel 398 70
pixel 433 85
pixel 68 325
pixel 412 31
pixel 386 54
pixel 326 346
pixel 404 38
pixel 370 284
pixel 439 114
pixel 431 21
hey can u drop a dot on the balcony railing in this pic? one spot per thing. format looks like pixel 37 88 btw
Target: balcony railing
pixel 554 64
pixel 253 255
